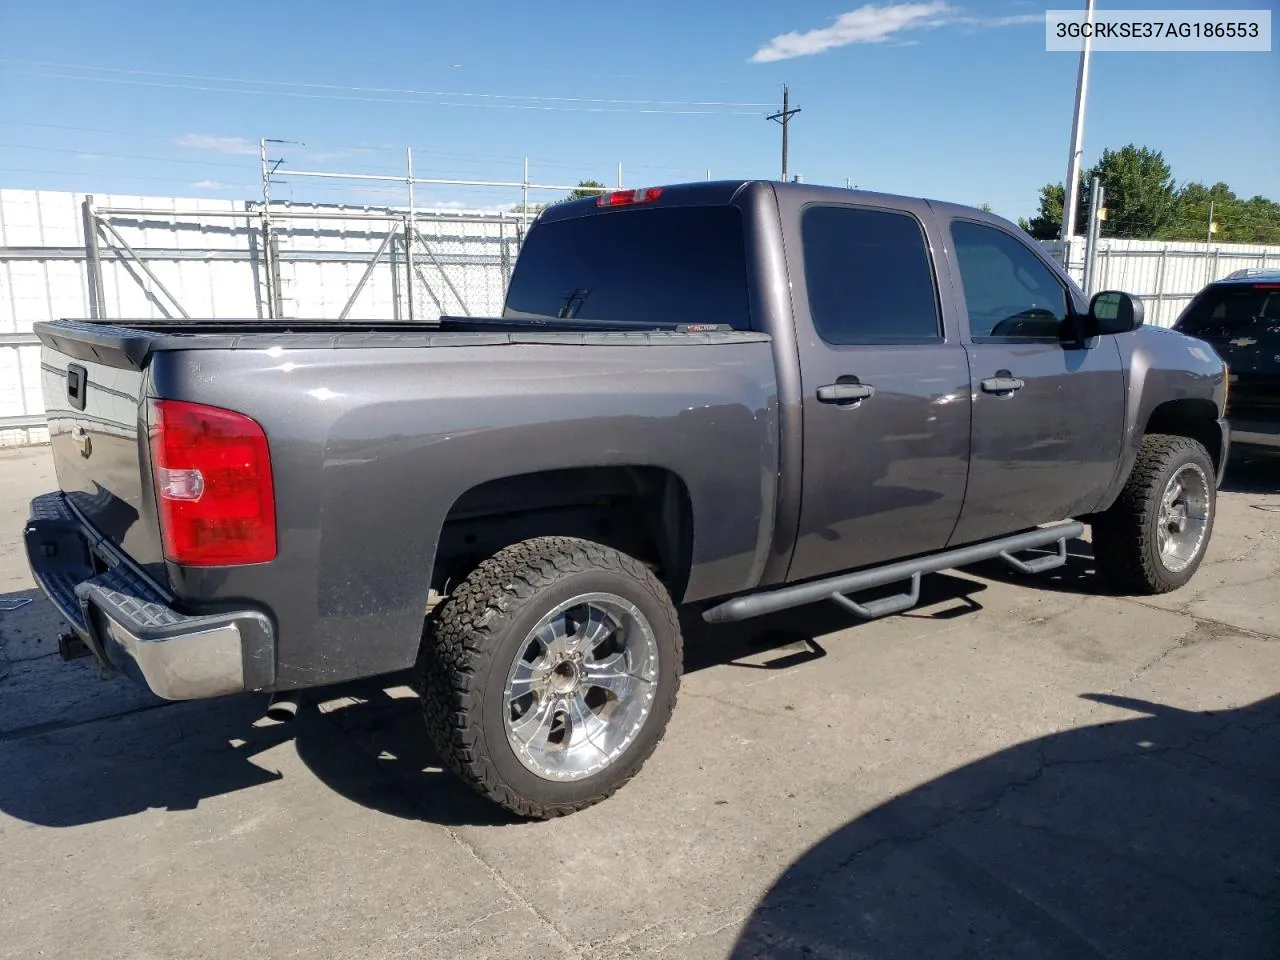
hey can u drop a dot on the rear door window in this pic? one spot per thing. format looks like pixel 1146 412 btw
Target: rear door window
pixel 868 276
pixel 676 265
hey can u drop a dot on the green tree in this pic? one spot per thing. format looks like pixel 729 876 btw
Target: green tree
pixel 1143 201
pixel 1141 198
pixel 1047 223
pixel 1256 220
pixel 586 188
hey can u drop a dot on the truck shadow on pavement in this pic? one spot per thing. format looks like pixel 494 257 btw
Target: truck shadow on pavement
pixel 81 750
pixel 1254 472
pixel 1150 837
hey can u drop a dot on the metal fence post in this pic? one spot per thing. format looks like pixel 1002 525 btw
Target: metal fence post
pixel 394 257
pixel 93 262
pixel 1164 258
pixel 504 254
pixel 1092 234
pixel 524 204
pixel 268 241
pixel 1217 257
pixel 410 231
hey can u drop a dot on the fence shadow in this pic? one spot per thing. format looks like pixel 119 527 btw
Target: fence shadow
pixel 1154 837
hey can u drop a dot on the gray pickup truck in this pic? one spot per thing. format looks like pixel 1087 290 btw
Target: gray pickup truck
pixel 734 398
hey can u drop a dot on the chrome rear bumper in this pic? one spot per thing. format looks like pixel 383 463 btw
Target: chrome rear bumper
pixel 129 622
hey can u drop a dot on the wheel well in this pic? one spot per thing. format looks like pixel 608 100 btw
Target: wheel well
pixel 1196 419
pixel 643 511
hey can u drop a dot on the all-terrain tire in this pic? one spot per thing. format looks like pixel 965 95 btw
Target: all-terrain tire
pixel 471 642
pixel 1126 538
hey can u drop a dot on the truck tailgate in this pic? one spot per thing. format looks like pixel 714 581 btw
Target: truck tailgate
pixel 97 430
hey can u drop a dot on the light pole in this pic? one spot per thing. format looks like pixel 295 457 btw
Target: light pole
pixel 1071 198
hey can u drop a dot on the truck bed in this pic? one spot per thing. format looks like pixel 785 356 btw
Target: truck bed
pixel 376 436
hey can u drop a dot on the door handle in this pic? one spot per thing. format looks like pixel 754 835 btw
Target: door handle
pixel 845 392
pixel 1002 382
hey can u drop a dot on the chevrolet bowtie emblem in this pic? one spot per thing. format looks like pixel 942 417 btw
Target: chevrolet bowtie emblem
pixel 1242 342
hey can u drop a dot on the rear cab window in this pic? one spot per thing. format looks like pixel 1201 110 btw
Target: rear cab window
pixel 675 265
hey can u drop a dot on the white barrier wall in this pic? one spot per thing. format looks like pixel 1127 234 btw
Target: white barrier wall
pixel 214 266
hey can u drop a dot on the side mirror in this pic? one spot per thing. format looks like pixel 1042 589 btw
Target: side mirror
pixel 1114 312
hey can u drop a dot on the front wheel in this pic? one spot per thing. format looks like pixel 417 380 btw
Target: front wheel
pixel 549 674
pixel 1154 536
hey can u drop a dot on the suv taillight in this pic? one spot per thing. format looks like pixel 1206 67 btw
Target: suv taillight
pixel 213 485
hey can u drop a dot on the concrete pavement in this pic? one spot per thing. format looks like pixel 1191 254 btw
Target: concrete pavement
pixel 1020 767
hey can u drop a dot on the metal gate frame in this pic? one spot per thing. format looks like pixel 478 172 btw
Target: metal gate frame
pixel 403 238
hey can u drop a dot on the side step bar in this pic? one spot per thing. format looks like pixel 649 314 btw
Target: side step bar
pixel 835 588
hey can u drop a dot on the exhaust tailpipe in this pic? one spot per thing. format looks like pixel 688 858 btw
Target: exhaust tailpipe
pixel 283 706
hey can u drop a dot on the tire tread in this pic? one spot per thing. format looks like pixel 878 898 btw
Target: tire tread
pixel 460 643
pixel 1122 545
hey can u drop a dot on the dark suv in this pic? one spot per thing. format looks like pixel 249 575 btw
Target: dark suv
pixel 1240 317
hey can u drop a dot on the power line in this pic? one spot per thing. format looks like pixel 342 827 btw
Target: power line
pixel 463 159
pixel 94 175
pixel 364 89
pixel 91 153
pixel 535 101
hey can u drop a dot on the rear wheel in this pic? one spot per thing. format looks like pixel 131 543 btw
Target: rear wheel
pixel 549 674
pixel 1154 536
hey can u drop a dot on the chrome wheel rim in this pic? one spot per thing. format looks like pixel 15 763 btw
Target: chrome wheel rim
pixel 1184 517
pixel 581 687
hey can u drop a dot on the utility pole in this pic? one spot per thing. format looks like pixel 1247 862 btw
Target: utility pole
pixel 1071 199
pixel 783 117
pixel 1209 236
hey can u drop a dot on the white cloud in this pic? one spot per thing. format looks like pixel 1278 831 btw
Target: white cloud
pixel 209 185
pixel 1014 20
pixel 878 24
pixel 88 156
pixel 203 141
pixel 867 24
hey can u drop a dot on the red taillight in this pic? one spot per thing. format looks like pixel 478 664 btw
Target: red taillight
pixel 213 485
pixel 623 198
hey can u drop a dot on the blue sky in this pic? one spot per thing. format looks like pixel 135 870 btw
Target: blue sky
pixel 935 98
